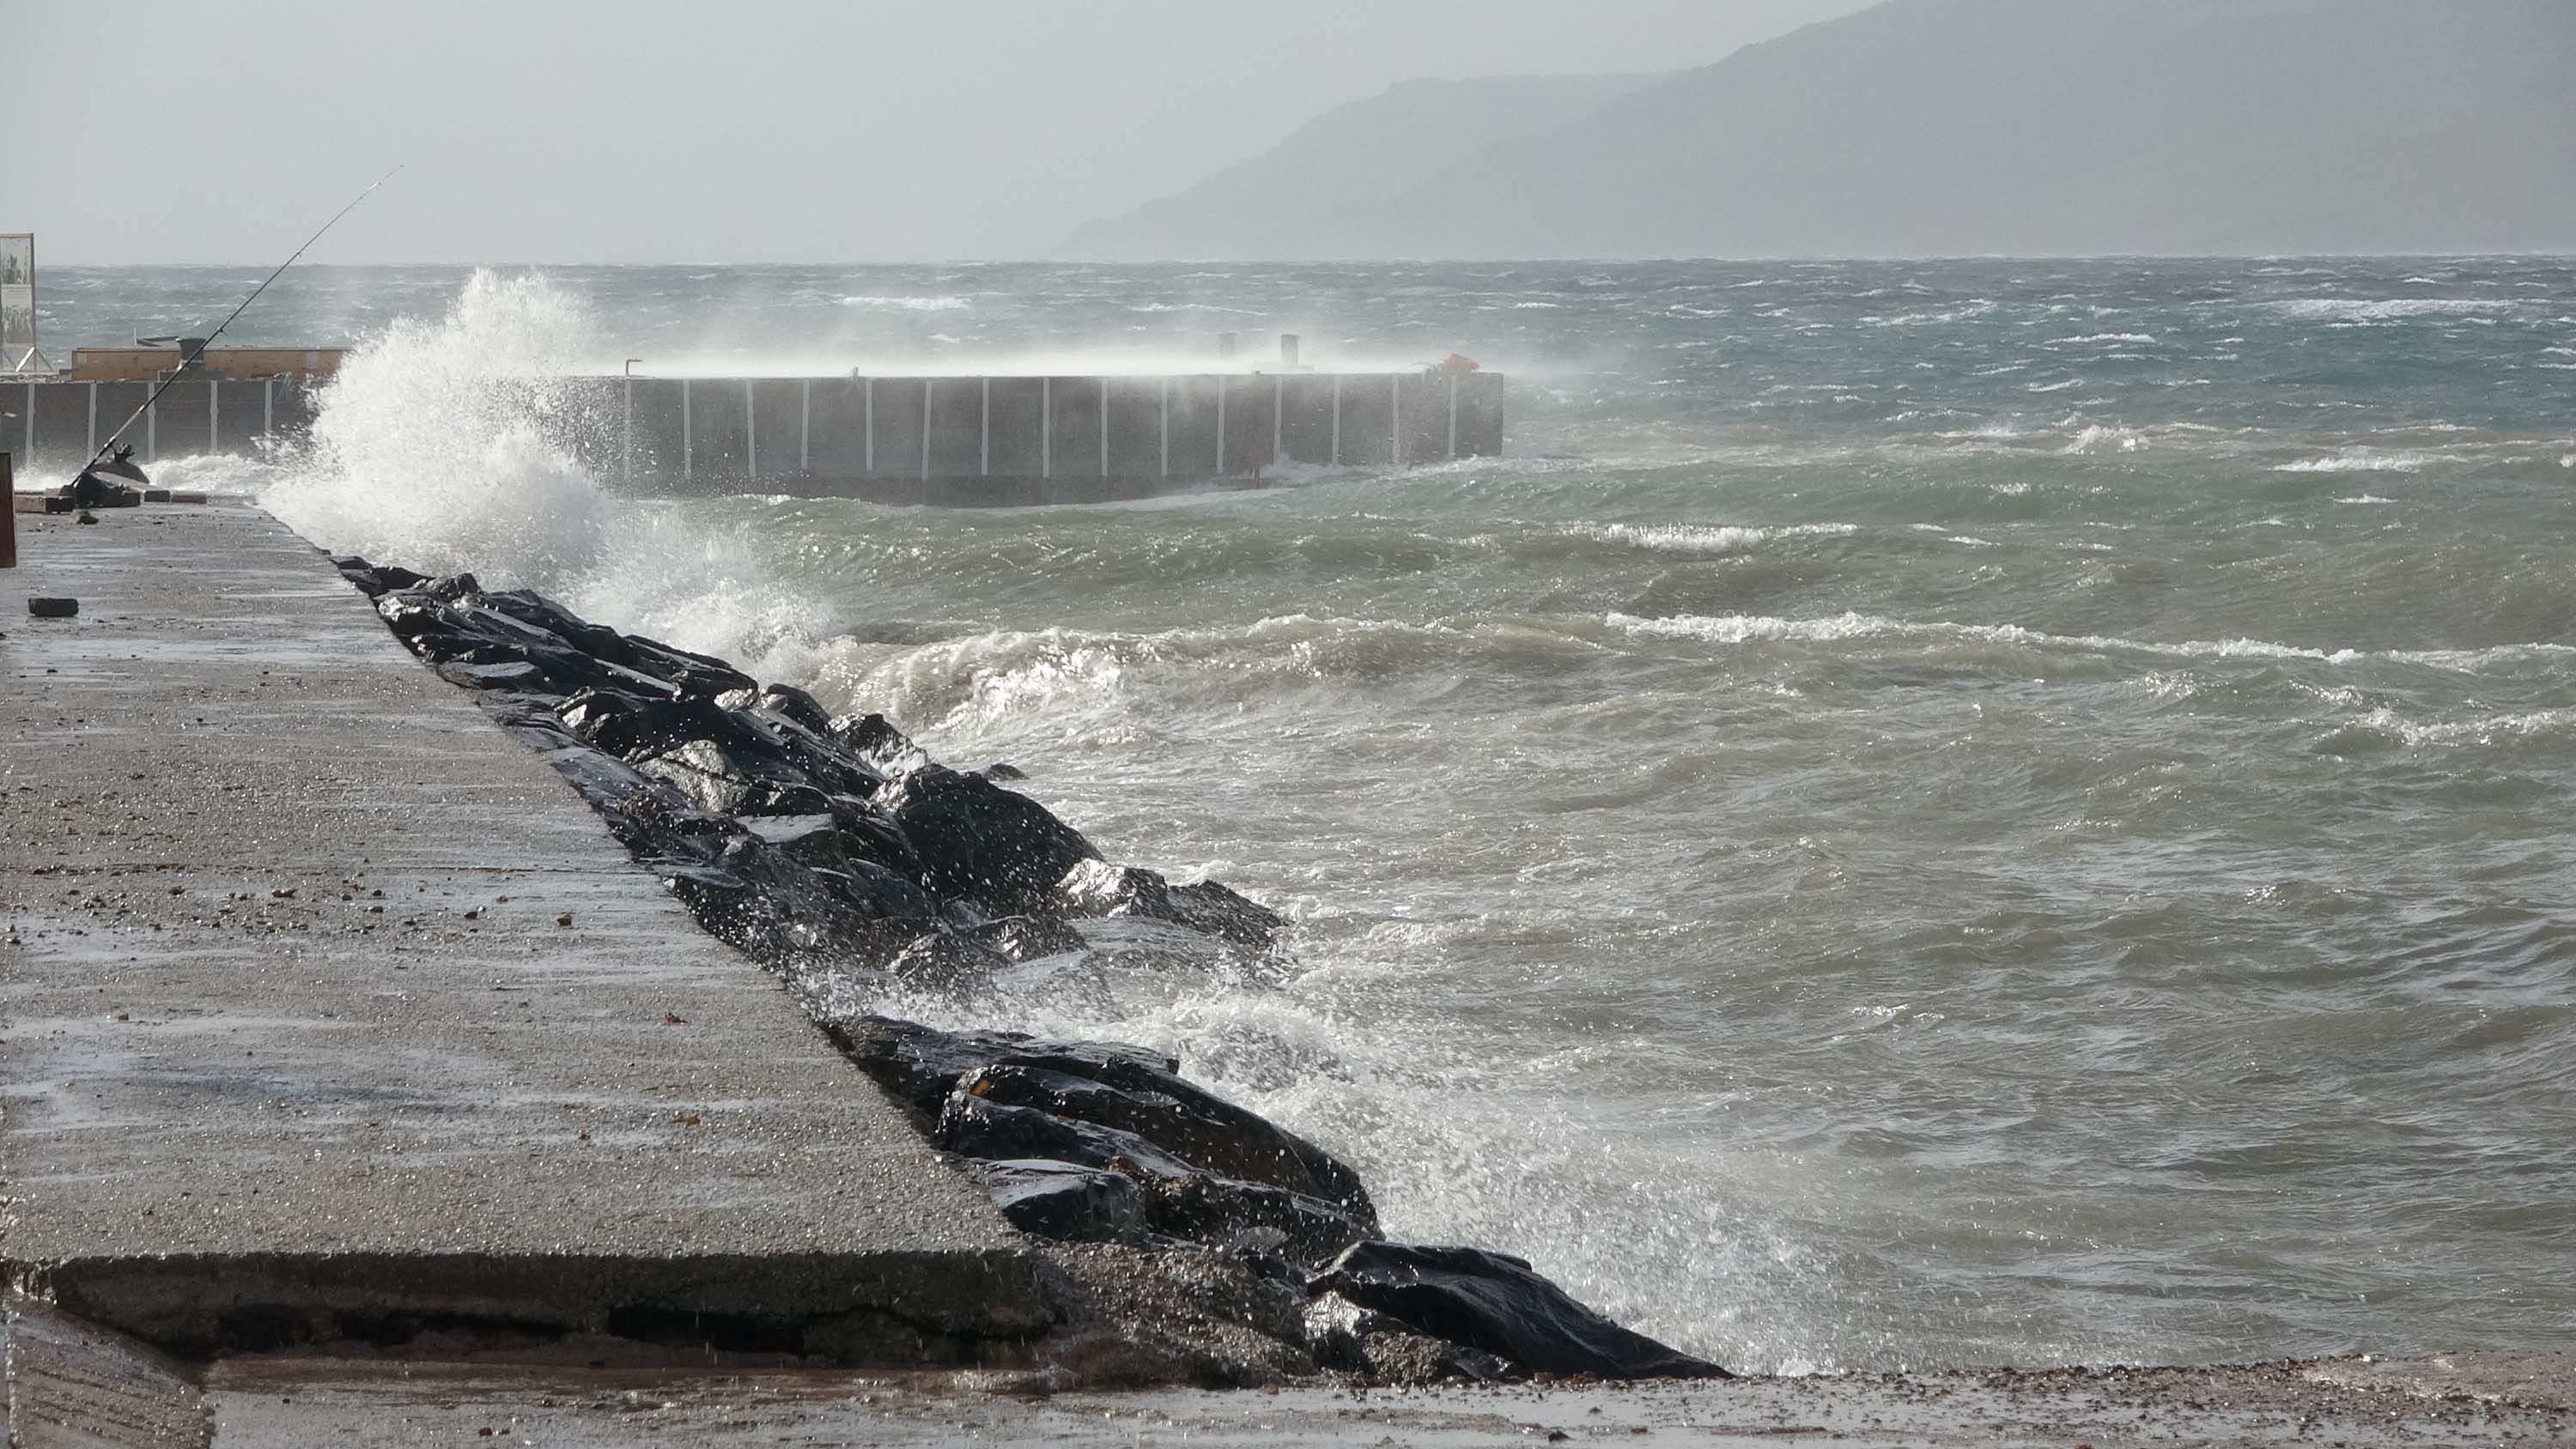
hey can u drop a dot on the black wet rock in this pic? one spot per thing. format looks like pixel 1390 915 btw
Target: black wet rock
pixel 1209 1171
pixel 1096 888
pixel 873 738
pixel 999 1132
pixel 892 862
pixel 980 841
pixel 1064 1202
pixel 1499 1305
pixel 1205 1208
pixel 1029 938
pixel 1343 1335
pixel 946 961
pixel 375 579
pixel 920 1065
pixel 1131 1089
pixel 1193 1124
pixel 1181 1199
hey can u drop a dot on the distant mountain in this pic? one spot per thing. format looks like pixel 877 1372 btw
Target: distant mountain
pixel 2039 127
pixel 1348 159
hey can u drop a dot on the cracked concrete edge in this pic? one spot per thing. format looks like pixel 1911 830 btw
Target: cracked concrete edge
pixel 858 1309
pixel 74 1385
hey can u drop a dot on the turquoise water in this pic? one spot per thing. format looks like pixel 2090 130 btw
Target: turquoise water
pixel 1969 812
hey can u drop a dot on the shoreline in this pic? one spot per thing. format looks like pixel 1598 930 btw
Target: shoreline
pixel 448 1372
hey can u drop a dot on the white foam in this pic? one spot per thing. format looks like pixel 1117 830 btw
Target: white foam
pixel 909 304
pixel 2358 463
pixel 2356 309
pixel 2100 438
pixel 449 444
pixel 2485 730
pixel 1703 539
pixel 1757 628
pixel 444 444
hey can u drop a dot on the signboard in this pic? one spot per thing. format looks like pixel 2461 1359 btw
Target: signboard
pixel 18 302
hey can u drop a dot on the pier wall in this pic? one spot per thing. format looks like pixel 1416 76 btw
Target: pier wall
pixel 1022 440
pixel 50 423
pixel 958 441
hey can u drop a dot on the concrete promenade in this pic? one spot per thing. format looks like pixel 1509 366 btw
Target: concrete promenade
pixel 328 1014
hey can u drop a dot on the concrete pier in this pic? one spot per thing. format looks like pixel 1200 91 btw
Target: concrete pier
pixel 968 441
pixel 52 424
pixel 333 1015
pixel 952 441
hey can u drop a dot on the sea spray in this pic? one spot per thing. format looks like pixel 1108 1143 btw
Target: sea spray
pixel 458 441
pixel 451 441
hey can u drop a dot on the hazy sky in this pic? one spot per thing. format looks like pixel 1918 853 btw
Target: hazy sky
pixel 682 130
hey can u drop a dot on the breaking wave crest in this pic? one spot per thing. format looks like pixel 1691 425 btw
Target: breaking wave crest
pixel 451 443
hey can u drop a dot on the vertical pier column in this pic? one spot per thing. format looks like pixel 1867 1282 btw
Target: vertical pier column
pixel 93 420
pixel 926 385
pixel 868 427
pixel 1337 421
pixel 805 428
pixel 1046 427
pixel 688 442
pixel 268 407
pixel 750 434
pixel 626 439
pixel 1220 423
pixel 1395 420
pixel 214 410
pixel 1167 427
pixel 984 434
pixel 1104 427
pixel 1279 407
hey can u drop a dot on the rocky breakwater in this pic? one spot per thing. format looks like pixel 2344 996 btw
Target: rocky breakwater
pixel 1195 1238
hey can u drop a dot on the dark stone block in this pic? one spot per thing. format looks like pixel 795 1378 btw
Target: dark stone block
pixel 873 739
pixel 979 841
pixel 1097 888
pixel 1064 1202
pixel 796 706
pixel 972 1127
pixel 921 1065
pixel 1498 1304
pixel 1211 1134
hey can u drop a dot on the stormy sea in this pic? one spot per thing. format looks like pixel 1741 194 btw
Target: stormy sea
pixel 1925 814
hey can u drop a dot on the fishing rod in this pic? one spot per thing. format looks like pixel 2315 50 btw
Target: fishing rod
pixel 177 372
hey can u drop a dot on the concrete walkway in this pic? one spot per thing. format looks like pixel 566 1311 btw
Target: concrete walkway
pixel 332 1014
pixel 2464 1400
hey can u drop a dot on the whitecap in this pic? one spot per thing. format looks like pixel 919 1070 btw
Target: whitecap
pixel 1700 539
pixel 2358 463
pixel 2357 309
pixel 1752 628
pixel 909 304
pixel 2101 439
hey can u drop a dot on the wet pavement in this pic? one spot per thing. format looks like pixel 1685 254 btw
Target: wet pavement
pixel 276 1403
pixel 331 1010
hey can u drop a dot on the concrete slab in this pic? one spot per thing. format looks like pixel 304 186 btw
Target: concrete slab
pixel 331 1013
pixel 72 1385
pixel 274 1404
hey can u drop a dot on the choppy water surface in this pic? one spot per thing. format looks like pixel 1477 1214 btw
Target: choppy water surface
pixel 1927 814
